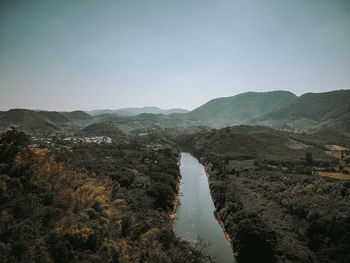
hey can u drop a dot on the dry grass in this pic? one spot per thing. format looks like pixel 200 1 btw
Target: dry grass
pixel 336 148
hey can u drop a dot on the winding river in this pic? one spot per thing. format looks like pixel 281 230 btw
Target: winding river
pixel 194 219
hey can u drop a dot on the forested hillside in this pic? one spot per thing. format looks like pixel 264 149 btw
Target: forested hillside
pixel 311 112
pixel 43 122
pixel 238 109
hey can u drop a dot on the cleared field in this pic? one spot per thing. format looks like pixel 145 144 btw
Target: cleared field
pixel 336 175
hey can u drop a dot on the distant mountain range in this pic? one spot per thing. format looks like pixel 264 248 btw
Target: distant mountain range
pixel 137 111
pixel 322 114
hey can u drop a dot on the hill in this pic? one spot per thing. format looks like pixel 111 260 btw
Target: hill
pixel 23 116
pixel 238 109
pixel 31 121
pixel 311 112
pixel 77 115
pixel 144 122
pixel 104 128
pixel 248 143
pixel 43 122
pixel 137 111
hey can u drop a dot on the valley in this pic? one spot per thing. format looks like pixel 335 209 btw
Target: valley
pixel 174 131
pixel 76 187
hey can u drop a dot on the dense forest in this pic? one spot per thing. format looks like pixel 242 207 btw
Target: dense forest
pixel 93 203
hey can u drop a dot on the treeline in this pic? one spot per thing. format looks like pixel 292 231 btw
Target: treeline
pixel 107 203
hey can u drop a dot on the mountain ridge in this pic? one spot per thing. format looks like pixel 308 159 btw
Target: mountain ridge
pixel 322 114
pixel 137 111
pixel 309 112
pixel 235 110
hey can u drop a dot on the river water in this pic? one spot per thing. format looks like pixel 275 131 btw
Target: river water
pixel 194 219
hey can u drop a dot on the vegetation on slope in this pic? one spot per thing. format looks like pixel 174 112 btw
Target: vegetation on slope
pixel 77 115
pixel 260 145
pixel 27 120
pixel 104 128
pixel 235 110
pixel 311 111
pixel 43 122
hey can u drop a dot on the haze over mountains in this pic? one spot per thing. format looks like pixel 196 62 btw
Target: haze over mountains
pixel 137 111
pixel 311 112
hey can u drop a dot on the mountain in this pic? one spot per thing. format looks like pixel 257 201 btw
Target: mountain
pixel 238 109
pixel 137 111
pixel 311 112
pixel 31 121
pixel 321 114
pixel 42 122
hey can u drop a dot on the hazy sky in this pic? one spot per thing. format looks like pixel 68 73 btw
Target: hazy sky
pixel 66 55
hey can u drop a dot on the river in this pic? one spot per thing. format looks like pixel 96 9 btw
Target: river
pixel 194 219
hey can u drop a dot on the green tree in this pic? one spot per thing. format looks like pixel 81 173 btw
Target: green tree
pixel 12 143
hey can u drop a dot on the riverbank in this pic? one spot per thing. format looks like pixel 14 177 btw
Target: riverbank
pixel 281 216
pixel 217 215
pixel 172 215
pixel 247 228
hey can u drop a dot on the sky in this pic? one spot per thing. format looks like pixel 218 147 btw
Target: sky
pixel 68 55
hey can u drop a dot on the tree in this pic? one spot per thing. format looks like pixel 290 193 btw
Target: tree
pixel 12 143
pixel 308 158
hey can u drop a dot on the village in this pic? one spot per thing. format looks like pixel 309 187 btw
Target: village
pixel 54 141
